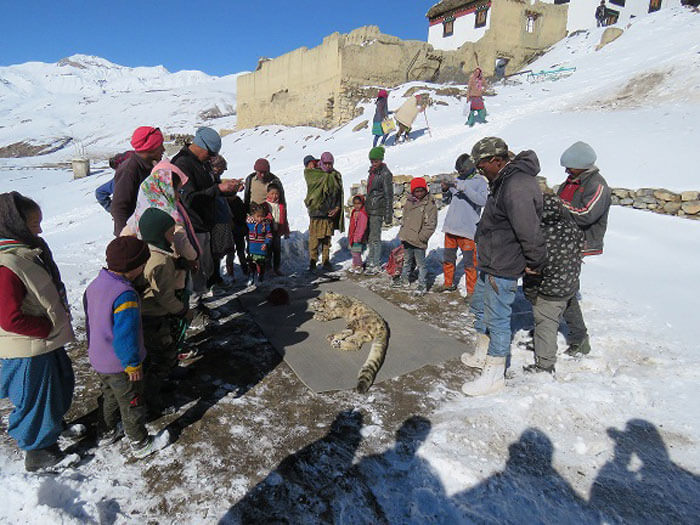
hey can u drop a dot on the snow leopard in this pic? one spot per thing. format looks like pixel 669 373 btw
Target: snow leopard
pixel 364 325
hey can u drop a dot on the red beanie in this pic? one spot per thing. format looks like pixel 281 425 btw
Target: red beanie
pixel 382 93
pixel 418 182
pixel 126 253
pixel 261 165
pixel 146 138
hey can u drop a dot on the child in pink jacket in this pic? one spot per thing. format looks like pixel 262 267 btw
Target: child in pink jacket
pixel 357 234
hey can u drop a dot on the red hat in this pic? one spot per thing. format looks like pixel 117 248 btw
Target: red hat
pixel 382 93
pixel 262 165
pixel 146 138
pixel 418 182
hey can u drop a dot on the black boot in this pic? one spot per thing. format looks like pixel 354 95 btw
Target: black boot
pixel 536 369
pixel 42 458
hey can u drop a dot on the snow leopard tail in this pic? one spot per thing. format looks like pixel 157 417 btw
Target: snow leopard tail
pixel 374 362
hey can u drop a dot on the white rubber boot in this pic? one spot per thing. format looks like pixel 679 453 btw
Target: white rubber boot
pixel 478 358
pixel 491 379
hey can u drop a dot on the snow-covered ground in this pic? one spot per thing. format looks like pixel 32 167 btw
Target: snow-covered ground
pixel 636 101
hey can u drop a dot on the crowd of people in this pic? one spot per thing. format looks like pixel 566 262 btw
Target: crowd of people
pixel 176 221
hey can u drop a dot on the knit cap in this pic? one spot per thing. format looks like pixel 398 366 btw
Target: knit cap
pixel 418 182
pixel 308 159
pixel 464 165
pixel 126 253
pixel 146 138
pixel 376 153
pixel 579 156
pixel 262 165
pixel 152 227
pixel 208 139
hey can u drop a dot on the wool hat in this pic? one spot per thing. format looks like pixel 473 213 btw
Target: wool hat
pixel 153 224
pixel 382 93
pixel 464 164
pixel 579 156
pixel 261 165
pixel 376 153
pixel 327 161
pixel 208 139
pixel 308 159
pixel 126 253
pixel 418 182
pixel 489 147
pixel 146 138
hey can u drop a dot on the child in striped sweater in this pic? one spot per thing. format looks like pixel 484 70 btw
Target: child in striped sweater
pixel 259 240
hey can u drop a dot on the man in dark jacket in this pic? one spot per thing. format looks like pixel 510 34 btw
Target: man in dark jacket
pixel 509 244
pixel 379 204
pixel 148 150
pixel 551 291
pixel 257 182
pixel 585 196
pixel 199 198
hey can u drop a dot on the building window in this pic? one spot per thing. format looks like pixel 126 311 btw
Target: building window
pixel 621 3
pixel 480 20
pixel 530 22
pixel 448 27
pixel 611 17
pixel 654 5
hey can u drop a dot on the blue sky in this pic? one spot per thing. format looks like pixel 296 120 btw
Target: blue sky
pixel 217 37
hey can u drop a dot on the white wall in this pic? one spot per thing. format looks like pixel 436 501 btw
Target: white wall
pixel 464 31
pixel 582 12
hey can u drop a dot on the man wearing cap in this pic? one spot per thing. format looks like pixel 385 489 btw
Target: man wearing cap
pixel 379 205
pixel 199 198
pixel 585 196
pixel 510 243
pixel 257 182
pixel 148 150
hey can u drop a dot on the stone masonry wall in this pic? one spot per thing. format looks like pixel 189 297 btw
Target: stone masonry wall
pixel 685 204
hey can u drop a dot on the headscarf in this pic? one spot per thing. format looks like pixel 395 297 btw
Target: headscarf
pixel 326 162
pixel 158 191
pixel 13 226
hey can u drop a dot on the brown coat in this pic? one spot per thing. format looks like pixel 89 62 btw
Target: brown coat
pixel 419 221
pixel 163 279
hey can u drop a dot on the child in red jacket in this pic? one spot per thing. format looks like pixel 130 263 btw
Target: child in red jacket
pixel 280 226
pixel 357 233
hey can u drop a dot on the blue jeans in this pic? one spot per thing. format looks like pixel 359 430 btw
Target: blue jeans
pixel 492 307
pixel 410 254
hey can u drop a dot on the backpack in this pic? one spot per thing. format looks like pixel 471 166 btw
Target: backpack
pixel 395 264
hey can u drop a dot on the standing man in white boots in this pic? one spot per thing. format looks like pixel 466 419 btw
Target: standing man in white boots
pixel 509 244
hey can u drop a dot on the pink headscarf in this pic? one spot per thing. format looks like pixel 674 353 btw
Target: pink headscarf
pixel 326 162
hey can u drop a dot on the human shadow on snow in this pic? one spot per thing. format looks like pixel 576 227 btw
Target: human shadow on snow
pixel 320 484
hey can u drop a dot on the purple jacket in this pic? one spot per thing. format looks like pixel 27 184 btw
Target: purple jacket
pixel 101 310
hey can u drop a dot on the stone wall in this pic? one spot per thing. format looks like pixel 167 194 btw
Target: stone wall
pixel 685 204
pixel 659 200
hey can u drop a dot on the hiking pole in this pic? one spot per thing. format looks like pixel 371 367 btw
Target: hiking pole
pixel 425 114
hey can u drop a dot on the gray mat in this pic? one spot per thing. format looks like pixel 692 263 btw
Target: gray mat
pixel 302 340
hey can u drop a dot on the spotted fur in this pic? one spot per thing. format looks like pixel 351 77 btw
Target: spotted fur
pixel 364 325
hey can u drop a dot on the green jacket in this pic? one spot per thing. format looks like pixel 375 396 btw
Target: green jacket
pixel 324 192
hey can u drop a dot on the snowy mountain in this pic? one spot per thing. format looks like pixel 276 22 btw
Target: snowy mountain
pixel 533 453
pixel 98 103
